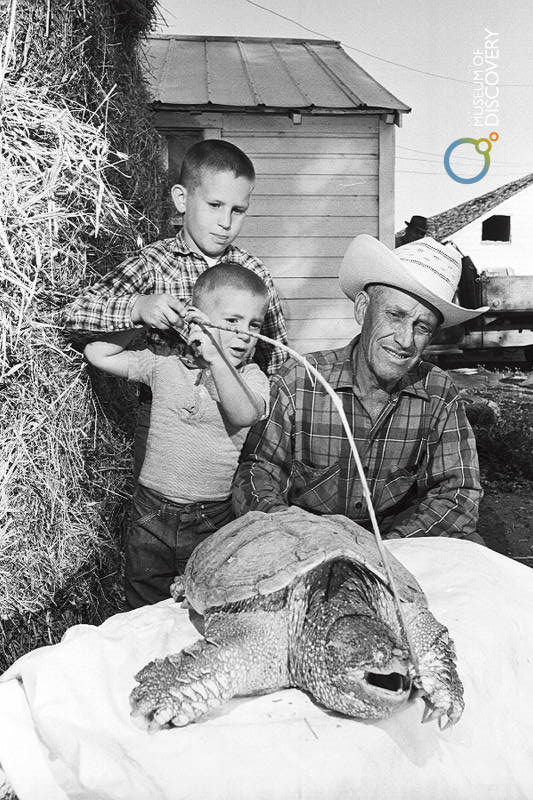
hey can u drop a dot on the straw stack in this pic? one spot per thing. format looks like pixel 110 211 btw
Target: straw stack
pixel 71 206
pixel 53 489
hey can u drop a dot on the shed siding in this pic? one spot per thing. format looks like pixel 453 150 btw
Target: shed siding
pixel 317 188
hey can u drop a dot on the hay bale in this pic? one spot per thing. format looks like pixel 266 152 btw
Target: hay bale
pixel 61 459
pixel 73 102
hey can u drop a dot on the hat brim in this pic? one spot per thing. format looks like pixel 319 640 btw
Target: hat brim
pixel 368 261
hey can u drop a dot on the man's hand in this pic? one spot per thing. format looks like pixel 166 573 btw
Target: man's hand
pixel 161 311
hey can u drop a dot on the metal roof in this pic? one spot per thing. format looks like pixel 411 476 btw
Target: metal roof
pixel 269 74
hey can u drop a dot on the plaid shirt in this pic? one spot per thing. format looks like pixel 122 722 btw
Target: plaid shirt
pixel 419 456
pixel 168 266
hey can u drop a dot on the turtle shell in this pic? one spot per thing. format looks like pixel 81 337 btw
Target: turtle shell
pixel 260 553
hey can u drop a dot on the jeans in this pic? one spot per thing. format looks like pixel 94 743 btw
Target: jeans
pixel 160 539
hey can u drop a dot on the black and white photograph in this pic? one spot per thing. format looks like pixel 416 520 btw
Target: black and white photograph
pixel 266 400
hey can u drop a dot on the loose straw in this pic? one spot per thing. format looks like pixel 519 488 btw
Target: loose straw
pixel 366 492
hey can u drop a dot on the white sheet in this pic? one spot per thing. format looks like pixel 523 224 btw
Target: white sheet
pixel 65 730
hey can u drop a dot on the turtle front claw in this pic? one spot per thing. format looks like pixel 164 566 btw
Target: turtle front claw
pixel 179 689
pixel 177 589
pixel 444 708
pixel 152 703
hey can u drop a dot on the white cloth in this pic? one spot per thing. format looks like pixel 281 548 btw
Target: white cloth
pixel 65 730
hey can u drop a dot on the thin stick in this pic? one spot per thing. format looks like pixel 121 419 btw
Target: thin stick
pixel 366 491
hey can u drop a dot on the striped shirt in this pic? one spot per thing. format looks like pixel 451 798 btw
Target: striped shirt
pixel 419 456
pixel 191 451
pixel 168 266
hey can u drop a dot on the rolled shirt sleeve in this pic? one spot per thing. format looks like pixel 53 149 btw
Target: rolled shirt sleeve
pixel 106 306
pixel 449 488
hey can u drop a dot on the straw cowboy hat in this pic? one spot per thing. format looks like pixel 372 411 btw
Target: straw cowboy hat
pixel 425 268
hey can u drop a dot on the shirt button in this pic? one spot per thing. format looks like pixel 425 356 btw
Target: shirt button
pixel 359 505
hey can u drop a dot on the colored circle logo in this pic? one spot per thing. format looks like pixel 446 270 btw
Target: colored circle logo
pixel 482 146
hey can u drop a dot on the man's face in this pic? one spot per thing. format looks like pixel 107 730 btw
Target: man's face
pixel 213 210
pixel 239 307
pixel 395 330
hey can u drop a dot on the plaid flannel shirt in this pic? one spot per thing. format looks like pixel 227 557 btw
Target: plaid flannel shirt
pixel 419 456
pixel 168 266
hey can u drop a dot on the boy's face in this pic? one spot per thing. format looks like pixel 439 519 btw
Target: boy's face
pixel 240 307
pixel 213 210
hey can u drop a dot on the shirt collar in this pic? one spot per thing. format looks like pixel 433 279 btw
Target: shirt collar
pixel 341 376
pixel 341 372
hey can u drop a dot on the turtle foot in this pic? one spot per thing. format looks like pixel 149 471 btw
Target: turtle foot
pixel 177 589
pixel 176 690
pixel 444 706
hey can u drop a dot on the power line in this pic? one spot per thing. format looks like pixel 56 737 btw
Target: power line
pixel 440 155
pixel 372 55
pixel 439 160
pixel 416 172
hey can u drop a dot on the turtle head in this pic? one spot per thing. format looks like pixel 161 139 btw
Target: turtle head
pixel 365 669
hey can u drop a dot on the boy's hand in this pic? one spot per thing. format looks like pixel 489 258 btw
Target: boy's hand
pixel 161 311
pixel 205 343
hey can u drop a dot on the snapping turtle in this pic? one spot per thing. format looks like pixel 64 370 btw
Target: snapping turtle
pixel 290 599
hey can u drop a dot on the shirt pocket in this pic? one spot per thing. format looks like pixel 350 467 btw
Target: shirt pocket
pixel 400 487
pixel 314 488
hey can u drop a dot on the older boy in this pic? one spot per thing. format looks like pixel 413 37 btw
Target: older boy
pixel 200 418
pixel 154 287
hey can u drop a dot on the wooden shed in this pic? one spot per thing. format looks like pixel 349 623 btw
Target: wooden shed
pixel 320 132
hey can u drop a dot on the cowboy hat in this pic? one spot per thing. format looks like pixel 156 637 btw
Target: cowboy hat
pixel 426 268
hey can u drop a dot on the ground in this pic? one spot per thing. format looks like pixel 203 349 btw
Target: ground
pixel 506 523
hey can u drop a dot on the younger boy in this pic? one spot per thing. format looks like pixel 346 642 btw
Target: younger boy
pixel 199 421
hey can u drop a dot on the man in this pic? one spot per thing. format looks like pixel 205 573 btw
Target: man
pixel 416 228
pixel 409 424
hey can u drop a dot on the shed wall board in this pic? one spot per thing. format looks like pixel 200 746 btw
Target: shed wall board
pixel 292 288
pixel 303 267
pixel 278 226
pixel 269 205
pixel 326 144
pixel 318 185
pixel 266 246
pixel 339 330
